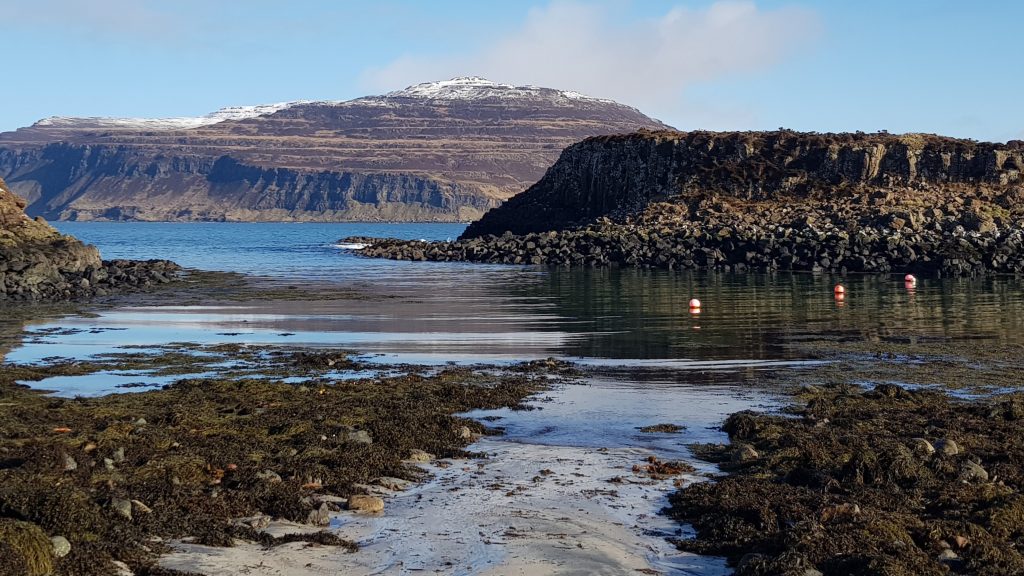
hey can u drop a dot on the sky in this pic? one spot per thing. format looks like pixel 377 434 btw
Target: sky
pixel 938 66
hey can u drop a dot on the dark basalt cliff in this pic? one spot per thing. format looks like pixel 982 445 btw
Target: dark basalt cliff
pixel 445 151
pixel 38 263
pixel 620 175
pixel 759 201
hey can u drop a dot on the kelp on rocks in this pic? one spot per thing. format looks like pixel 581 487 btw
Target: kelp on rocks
pixel 115 475
pixel 885 481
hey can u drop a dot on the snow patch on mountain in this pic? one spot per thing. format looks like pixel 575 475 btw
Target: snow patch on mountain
pixel 476 88
pixel 179 123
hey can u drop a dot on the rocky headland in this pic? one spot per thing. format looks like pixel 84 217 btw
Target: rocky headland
pixel 39 263
pixel 741 201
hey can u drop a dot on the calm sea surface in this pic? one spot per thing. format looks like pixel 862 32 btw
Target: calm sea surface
pixel 448 309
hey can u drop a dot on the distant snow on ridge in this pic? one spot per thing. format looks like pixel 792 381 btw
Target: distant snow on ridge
pixel 476 88
pixel 464 88
pixel 179 123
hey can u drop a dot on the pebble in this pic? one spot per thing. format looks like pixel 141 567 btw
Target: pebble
pixel 269 476
pixel 359 437
pixel 330 499
pixel 922 447
pixel 258 522
pixel 365 503
pixel 118 455
pixel 971 473
pixel 391 483
pixel 745 453
pixel 61 546
pixel 417 455
pixel 322 515
pixel 70 464
pixel 140 507
pixel 947 447
pixel 122 507
pixel 465 433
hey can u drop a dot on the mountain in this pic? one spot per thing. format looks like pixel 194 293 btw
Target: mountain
pixel 439 151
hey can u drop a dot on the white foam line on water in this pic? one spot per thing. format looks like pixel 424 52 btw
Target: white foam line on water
pixel 690 364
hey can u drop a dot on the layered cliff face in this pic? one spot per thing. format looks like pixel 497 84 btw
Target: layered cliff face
pixel 621 176
pixel 445 151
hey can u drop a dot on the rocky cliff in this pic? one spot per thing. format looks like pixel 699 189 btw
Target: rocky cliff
pixel 38 263
pixel 444 151
pixel 621 175
pixel 759 201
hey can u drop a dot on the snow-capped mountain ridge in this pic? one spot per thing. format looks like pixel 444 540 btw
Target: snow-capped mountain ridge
pixel 477 88
pixel 461 89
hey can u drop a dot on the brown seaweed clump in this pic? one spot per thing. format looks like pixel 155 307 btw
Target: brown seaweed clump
pixel 882 482
pixel 117 474
pixel 24 549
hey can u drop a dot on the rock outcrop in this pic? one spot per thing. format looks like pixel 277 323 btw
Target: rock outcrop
pixel 620 175
pixel 38 263
pixel 759 201
pixel 442 151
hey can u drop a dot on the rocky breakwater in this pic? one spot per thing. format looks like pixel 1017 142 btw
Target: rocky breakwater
pixel 38 263
pixel 758 201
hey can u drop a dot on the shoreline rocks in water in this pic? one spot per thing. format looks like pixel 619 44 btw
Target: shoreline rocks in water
pixel 38 263
pixel 760 201
pixel 733 244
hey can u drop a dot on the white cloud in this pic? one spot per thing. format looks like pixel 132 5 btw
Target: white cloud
pixel 647 63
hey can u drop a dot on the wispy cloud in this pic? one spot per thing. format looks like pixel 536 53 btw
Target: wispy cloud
pixel 96 19
pixel 648 63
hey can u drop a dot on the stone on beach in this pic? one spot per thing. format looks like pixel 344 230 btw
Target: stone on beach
pixel 416 455
pixel 365 503
pixel 392 483
pixel 61 546
pixel 122 507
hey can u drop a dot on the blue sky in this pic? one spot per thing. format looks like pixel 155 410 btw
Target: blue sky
pixel 911 66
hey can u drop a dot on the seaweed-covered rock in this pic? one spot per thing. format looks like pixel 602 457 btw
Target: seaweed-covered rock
pixel 28 550
pixel 862 495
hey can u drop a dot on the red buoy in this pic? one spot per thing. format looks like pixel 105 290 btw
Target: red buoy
pixel 840 289
pixel 694 303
